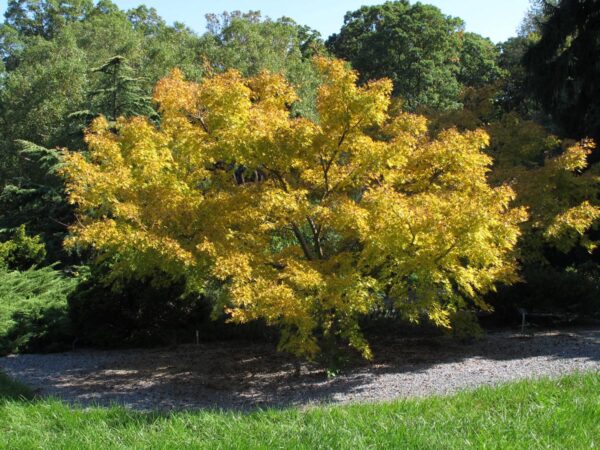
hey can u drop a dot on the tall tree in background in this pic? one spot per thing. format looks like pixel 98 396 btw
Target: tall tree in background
pixel 118 93
pixel 250 43
pixel 48 83
pixel 478 61
pixel 425 53
pixel 49 52
pixel 416 46
pixel 37 200
pixel 515 96
pixel 515 93
pixel 45 18
pixel 563 69
pixel 46 80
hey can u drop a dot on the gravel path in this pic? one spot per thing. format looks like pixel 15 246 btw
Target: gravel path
pixel 236 375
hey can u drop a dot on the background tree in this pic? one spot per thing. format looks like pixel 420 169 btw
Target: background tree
pixel 119 93
pixel 478 61
pixel 416 46
pixel 50 74
pixel 37 96
pixel 561 67
pixel 250 44
pixel 45 18
pixel 514 95
pixel 37 200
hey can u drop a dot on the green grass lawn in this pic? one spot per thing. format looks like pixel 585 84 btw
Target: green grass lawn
pixel 563 413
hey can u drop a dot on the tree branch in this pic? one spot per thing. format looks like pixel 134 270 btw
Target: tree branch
pixel 295 227
pixel 198 118
pixel 445 253
pixel 326 165
pixel 302 241
pixel 316 237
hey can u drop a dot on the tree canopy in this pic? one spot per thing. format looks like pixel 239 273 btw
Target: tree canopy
pixel 426 53
pixel 307 225
pixel 276 184
pixel 416 46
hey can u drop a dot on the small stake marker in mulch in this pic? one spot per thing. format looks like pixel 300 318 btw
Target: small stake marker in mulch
pixel 523 313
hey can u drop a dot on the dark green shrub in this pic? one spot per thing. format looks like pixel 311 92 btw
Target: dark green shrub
pixel 147 312
pixel 572 293
pixel 33 310
pixel 138 312
pixel 22 252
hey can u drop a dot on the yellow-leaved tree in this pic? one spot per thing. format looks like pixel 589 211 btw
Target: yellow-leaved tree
pixel 553 179
pixel 308 225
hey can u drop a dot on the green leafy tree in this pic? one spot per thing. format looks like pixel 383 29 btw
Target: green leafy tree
pixel 36 97
pixel 45 17
pixel 416 46
pixel 535 17
pixel 250 44
pixel 167 47
pixel 563 69
pixel 478 61
pixel 514 93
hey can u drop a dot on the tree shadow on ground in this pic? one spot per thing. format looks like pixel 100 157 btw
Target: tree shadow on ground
pixel 244 376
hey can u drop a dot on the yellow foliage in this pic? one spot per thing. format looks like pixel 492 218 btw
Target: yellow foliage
pixel 307 225
pixel 552 179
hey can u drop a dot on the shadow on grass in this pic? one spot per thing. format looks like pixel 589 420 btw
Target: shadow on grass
pixel 13 390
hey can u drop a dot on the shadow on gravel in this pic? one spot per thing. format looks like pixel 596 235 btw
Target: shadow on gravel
pixel 246 376
pixel 568 343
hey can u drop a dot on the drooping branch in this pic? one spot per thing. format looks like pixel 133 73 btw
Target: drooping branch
pixel 446 252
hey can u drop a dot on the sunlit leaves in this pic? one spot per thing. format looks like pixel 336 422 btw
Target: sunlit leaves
pixel 306 225
pixel 552 180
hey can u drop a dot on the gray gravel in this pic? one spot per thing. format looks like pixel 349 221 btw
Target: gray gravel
pixel 241 375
